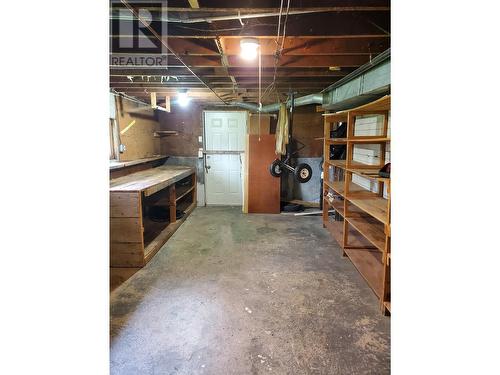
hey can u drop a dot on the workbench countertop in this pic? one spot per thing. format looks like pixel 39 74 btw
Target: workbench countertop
pixel 151 180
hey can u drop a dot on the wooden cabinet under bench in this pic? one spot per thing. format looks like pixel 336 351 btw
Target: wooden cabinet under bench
pixel 146 208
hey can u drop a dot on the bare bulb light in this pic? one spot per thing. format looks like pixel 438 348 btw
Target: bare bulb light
pixel 249 48
pixel 183 99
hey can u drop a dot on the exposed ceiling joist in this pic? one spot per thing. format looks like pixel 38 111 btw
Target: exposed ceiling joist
pixel 262 10
pixel 319 49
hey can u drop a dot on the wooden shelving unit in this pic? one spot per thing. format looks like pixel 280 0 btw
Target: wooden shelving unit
pixel 364 229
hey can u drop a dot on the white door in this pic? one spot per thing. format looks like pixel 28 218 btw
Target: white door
pixel 224 146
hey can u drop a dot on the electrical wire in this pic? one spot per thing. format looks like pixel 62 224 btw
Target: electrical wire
pixel 284 26
pixel 131 98
pixel 160 39
pixel 279 49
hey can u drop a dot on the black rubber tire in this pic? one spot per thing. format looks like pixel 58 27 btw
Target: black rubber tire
pixel 303 173
pixel 275 169
pixel 292 207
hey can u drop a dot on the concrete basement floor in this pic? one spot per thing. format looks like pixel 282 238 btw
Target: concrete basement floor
pixel 248 294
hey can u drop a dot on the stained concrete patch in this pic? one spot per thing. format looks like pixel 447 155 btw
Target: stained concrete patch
pixel 265 230
pixel 188 310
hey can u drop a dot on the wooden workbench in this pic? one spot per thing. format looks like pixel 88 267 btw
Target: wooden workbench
pixel 134 237
pixel 123 168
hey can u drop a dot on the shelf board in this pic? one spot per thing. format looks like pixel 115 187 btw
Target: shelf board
pixel 336 141
pixel 123 164
pixel 370 228
pixel 338 206
pixel 181 192
pixel 336 186
pixel 368 173
pixel 336 163
pixel 364 170
pixel 374 206
pixel 380 105
pixel 336 229
pixel 369 264
pixel 368 140
pixel 164 133
pixel 339 188
pixel 335 117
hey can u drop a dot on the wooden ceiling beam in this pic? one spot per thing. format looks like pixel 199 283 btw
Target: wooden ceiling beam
pixel 299 46
pixel 237 61
pixel 235 11
pixel 235 72
pixel 270 36
pixel 216 80
pixel 293 46
pixel 317 24
pixel 163 91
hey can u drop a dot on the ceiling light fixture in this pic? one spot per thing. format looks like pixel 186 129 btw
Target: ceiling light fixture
pixel 183 98
pixel 249 48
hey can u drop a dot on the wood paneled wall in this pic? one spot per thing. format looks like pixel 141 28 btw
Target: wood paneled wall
pixel 188 122
pixel 136 131
pixel 308 125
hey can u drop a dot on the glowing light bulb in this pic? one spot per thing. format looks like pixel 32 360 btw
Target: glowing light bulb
pixel 183 99
pixel 249 48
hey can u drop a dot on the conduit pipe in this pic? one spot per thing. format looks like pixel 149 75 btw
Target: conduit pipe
pixel 240 17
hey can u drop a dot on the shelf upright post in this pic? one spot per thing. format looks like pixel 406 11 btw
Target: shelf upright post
pixel 326 168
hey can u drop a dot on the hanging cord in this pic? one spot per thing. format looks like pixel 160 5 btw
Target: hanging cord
pixel 279 48
pixel 284 27
pixel 269 88
pixel 146 24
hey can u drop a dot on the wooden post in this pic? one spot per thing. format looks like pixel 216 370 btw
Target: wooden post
pixel 173 205
pixel 167 103
pixel 326 153
pixel 153 100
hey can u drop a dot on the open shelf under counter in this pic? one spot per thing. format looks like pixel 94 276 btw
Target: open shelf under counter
pixel 159 240
pixel 181 192
pixel 135 234
pixel 369 264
